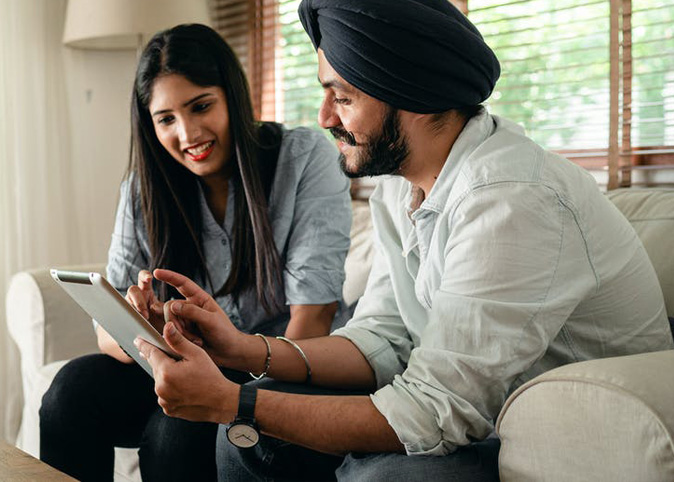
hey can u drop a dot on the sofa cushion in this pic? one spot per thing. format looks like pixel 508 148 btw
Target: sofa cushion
pixel 359 260
pixel 651 213
pixel 607 420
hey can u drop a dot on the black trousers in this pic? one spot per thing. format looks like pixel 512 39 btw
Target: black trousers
pixel 96 403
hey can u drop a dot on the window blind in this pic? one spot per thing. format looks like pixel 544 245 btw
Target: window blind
pixel 555 70
pixel 591 79
pixel 647 137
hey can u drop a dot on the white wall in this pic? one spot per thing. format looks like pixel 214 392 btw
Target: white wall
pixel 99 87
pixel 64 135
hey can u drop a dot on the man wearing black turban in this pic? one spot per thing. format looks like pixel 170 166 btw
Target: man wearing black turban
pixel 495 261
pixel 423 56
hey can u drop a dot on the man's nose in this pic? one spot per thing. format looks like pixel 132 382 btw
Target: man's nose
pixel 327 117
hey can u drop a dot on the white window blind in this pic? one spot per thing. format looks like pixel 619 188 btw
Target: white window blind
pixel 592 79
pixel 555 69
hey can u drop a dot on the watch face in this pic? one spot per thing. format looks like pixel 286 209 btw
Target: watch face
pixel 243 435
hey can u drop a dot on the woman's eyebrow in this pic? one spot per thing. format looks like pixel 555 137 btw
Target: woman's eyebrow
pixel 191 101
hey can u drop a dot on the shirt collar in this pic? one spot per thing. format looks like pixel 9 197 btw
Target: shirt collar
pixel 474 133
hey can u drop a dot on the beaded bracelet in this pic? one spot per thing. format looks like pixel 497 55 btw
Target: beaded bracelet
pixel 267 361
pixel 299 350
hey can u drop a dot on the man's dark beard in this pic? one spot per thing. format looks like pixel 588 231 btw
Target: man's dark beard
pixel 384 153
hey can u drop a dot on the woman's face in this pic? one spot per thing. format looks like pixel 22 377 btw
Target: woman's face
pixel 192 124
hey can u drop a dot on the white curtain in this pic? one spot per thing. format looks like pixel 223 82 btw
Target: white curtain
pixel 37 225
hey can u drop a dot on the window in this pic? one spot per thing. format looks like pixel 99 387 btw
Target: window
pixel 591 79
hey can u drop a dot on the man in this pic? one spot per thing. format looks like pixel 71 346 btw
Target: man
pixel 496 261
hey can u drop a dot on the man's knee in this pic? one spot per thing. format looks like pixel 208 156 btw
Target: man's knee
pixel 234 464
pixel 272 459
pixel 474 463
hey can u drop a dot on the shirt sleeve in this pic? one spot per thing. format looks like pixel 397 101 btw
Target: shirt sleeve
pixel 515 267
pixel 128 252
pixel 319 237
pixel 377 328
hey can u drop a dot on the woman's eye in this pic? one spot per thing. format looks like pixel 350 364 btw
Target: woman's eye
pixel 165 120
pixel 201 107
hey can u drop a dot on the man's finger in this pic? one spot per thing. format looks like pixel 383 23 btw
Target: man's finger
pixel 186 287
pixel 151 353
pixel 203 318
pixel 182 326
pixel 181 345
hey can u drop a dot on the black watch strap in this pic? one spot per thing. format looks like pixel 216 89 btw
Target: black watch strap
pixel 247 398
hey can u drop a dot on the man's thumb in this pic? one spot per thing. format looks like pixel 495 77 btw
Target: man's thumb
pixel 177 341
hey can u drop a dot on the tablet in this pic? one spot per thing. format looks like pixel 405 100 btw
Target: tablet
pixel 104 304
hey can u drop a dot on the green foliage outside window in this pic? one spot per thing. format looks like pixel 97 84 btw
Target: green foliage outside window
pixel 555 63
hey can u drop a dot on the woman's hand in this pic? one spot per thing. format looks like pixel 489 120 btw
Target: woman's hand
pixel 144 300
pixel 109 346
pixel 220 338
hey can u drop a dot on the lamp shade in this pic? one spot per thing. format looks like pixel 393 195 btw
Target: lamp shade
pixel 125 24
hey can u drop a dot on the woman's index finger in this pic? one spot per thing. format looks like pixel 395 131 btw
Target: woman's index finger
pixel 144 280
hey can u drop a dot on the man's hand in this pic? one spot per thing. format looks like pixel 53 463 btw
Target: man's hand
pixel 192 388
pixel 201 315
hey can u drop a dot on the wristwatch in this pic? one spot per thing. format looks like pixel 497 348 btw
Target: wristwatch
pixel 243 432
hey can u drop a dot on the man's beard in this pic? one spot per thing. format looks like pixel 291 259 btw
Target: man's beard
pixel 383 153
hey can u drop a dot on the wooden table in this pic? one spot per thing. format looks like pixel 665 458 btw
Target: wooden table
pixel 18 466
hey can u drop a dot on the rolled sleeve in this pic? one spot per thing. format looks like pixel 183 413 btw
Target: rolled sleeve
pixel 377 328
pixel 321 222
pixel 515 268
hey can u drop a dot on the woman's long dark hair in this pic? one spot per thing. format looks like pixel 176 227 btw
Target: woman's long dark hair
pixel 169 192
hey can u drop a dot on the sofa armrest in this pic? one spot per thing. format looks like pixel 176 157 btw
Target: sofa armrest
pixel 46 326
pixel 609 419
pixel 45 323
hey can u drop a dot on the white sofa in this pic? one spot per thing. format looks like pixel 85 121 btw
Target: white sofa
pixel 604 420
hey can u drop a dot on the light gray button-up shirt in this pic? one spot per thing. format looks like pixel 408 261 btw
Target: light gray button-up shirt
pixel 514 264
pixel 310 214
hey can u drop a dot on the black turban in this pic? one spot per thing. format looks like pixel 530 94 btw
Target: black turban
pixel 418 55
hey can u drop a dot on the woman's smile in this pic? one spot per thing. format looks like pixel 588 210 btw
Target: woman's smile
pixel 201 151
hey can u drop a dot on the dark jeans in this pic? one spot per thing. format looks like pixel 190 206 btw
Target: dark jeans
pixel 96 403
pixel 275 460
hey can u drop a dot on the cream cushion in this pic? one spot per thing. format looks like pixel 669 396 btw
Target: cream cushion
pixel 651 214
pixel 602 420
pixel 359 261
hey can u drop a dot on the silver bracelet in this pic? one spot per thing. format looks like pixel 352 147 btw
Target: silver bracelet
pixel 267 361
pixel 299 350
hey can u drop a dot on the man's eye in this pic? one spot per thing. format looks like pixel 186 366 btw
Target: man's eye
pixel 341 100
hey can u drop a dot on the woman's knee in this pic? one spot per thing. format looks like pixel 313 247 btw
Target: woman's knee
pixel 68 391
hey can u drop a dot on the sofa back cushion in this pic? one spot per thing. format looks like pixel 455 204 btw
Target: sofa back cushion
pixel 651 213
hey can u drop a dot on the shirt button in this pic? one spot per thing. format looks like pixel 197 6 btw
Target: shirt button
pixel 224 241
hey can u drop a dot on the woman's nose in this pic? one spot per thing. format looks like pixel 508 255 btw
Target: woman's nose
pixel 188 132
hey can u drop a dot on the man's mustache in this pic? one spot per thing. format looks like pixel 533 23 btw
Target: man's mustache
pixel 343 135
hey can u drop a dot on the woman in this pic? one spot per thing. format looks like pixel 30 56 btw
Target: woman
pixel 257 214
